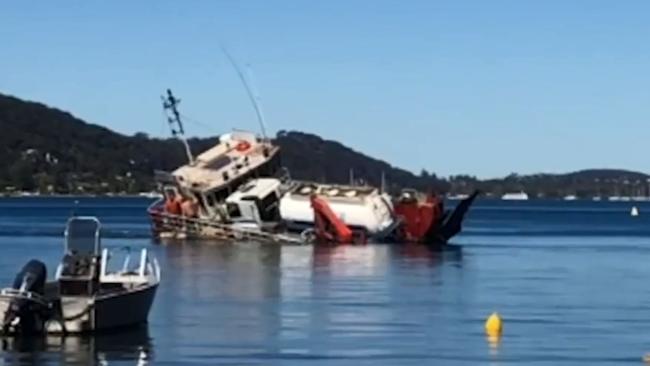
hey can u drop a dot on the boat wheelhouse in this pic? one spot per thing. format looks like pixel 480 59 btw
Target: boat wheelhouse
pixel 216 173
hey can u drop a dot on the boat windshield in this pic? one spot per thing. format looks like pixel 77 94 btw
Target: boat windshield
pixel 82 236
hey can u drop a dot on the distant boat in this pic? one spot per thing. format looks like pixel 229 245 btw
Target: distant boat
pixel 570 198
pixel 150 194
pixel 519 196
pixel 597 198
pixel 634 212
pixel 640 198
pixel 455 197
pixel 620 198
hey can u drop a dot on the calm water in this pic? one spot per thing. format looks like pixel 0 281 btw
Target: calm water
pixel 571 280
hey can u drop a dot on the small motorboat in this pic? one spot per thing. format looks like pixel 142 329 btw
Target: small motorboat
pixel 86 296
pixel 515 196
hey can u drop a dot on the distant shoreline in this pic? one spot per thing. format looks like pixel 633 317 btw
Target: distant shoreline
pixel 487 197
pixel 79 195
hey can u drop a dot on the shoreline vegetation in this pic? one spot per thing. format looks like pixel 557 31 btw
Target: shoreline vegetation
pixel 453 197
pixel 143 195
pixel 47 151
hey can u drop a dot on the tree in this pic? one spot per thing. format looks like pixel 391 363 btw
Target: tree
pixel 21 175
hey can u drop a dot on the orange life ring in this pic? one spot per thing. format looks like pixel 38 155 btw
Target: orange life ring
pixel 243 146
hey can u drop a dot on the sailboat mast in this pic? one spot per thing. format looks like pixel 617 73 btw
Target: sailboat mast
pixel 170 104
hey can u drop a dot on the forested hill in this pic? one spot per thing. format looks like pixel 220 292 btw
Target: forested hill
pixel 49 150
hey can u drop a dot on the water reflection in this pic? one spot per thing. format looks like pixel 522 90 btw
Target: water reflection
pixel 493 343
pixel 133 347
pixel 377 256
pixel 219 299
pixel 245 302
pixel 349 260
pixel 431 255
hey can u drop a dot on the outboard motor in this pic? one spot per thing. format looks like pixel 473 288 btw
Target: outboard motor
pixel 25 312
pixel 32 277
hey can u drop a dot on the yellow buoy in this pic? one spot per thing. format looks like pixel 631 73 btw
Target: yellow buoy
pixel 493 325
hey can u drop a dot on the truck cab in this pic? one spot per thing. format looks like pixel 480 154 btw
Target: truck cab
pixel 256 202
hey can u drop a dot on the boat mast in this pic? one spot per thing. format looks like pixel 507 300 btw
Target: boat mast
pixel 170 104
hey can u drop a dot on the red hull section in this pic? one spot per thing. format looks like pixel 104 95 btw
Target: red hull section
pixel 418 217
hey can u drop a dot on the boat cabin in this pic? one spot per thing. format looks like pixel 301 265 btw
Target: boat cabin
pixel 219 171
pixel 257 201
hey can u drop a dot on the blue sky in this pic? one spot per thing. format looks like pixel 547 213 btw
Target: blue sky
pixel 478 87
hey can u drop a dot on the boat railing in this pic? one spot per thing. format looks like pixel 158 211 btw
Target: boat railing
pixel 284 176
pixel 16 293
pixel 164 222
pixel 148 267
pixel 156 205
pixel 154 268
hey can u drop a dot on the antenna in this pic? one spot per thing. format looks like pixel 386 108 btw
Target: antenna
pixel 170 104
pixel 249 91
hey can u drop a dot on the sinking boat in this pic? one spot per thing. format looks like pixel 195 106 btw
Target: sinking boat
pixel 271 210
pixel 238 190
pixel 86 296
